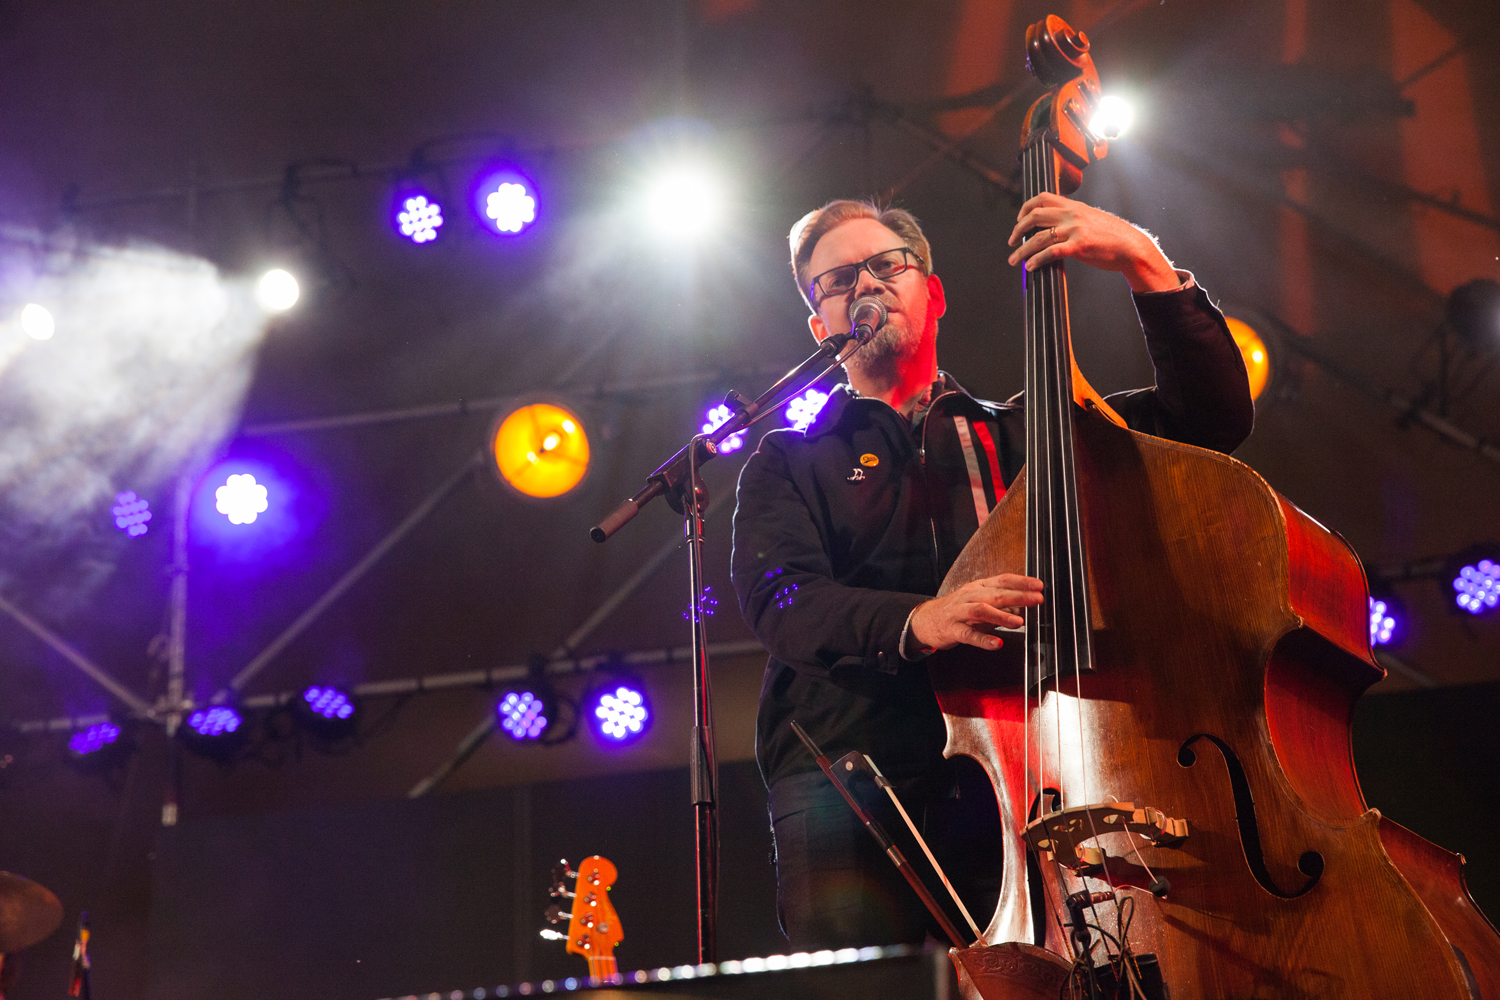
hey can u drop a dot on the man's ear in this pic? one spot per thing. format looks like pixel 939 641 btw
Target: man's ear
pixel 936 295
pixel 818 327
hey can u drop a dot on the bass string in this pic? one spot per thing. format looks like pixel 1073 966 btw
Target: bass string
pixel 1040 558
pixel 1071 620
pixel 1081 624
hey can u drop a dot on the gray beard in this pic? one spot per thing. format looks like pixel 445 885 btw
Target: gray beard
pixel 881 355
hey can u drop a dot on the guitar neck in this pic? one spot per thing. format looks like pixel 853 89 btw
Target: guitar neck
pixel 603 966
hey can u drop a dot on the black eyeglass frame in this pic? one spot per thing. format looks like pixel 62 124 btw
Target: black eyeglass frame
pixel 817 294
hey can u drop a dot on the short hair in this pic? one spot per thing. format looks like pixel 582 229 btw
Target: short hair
pixel 818 223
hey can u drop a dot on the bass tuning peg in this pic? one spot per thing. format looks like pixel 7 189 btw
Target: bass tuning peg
pixel 556 914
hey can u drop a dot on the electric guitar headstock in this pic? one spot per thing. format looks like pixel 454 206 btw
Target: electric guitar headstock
pixel 593 925
pixel 1059 57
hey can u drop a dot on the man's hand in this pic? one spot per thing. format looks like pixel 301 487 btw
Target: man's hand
pixel 1068 228
pixel 968 614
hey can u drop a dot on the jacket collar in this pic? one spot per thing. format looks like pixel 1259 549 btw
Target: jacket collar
pixel 843 395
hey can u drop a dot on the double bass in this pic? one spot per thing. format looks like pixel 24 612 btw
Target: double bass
pixel 1170 745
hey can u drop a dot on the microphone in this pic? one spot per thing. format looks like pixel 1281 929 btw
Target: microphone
pixel 866 315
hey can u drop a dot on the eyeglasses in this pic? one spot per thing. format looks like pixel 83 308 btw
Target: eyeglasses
pixel 884 265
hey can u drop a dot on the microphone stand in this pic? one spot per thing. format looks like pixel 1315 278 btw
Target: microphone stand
pixel 680 480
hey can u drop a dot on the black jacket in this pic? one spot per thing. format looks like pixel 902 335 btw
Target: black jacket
pixel 842 530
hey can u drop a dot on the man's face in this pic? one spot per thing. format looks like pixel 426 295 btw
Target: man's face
pixel 915 300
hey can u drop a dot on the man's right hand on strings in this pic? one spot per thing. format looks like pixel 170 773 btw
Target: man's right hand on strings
pixel 969 614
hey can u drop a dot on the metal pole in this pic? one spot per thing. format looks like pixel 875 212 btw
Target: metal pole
pixel 136 704
pixel 703 765
pixel 1407 407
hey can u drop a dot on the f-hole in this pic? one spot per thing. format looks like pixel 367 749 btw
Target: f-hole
pixel 1309 864
pixel 1050 800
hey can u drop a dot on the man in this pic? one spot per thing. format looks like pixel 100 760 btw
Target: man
pixel 844 532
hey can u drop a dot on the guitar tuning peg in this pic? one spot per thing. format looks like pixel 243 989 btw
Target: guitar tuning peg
pixel 556 914
pixel 552 935
pixel 559 892
pixel 561 871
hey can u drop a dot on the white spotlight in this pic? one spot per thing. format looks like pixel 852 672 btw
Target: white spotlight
pixel 685 202
pixel 277 290
pixel 1112 118
pixel 37 322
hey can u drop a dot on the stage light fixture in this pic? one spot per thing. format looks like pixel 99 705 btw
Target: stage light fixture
pixel 1112 118
pixel 215 721
pixel 541 450
pixel 1253 350
pixel 505 200
pixel 716 417
pixel 241 499
pixel 216 731
pixel 418 217
pixel 1476 585
pixel 96 739
pixel 277 290
pixel 1473 314
pixel 131 513
pixel 37 321
pixel 327 710
pixel 524 713
pixel 1387 621
pixel 685 202
pixel 618 711
pixel 802 411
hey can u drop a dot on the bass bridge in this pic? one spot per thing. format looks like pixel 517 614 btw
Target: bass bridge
pixel 1060 836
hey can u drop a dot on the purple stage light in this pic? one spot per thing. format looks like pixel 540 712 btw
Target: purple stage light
pixel 216 720
pixel 94 738
pixel 131 513
pixel 716 418
pixel 802 411
pixel 1384 622
pixel 619 713
pixel 241 499
pixel 505 201
pixel 523 715
pixel 419 217
pixel 1477 586
pixel 329 703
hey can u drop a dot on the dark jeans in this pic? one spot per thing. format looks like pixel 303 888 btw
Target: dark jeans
pixel 835 888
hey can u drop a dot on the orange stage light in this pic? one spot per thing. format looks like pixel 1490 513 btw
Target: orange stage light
pixel 1257 357
pixel 541 450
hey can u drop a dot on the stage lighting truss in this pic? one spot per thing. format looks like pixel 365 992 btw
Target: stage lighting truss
pixel 618 710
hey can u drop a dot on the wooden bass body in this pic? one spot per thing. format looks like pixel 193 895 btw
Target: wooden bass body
pixel 1230 645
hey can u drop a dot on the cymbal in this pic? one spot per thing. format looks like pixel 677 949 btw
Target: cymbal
pixel 28 913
